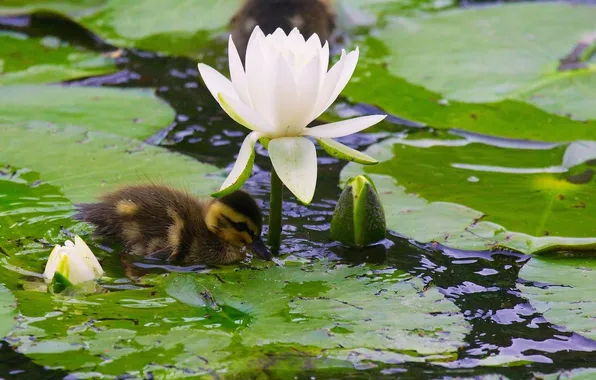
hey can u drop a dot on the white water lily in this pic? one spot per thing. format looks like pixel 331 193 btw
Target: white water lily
pixel 74 261
pixel 285 86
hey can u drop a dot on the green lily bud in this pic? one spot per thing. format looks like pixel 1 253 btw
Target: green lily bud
pixel 359 218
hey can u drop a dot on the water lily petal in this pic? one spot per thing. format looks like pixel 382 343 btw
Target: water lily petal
pixel 286 96
pixel 329 82
pixel 237 73
pixel 309 83
pixel 324 60
pixel 256 35
pixel 82 249
pixel 295 161
pixel 261 83
pixel 78 270
pixel 52 263
pixel 344 127
pixel 242 168
pixel 243 114
pixel 216 83
pixel 339 150
pixel 348 70
pixel 295 38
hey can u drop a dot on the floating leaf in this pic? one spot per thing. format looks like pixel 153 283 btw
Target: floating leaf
pixel 182 29
pixel 32 60
pixel 73 7
pixel 575 374
pixel 431 190
pixel 318 316
pixel 376 81
pixel 8 311
pixel 564 291
pixel 469 67
pixel 125 112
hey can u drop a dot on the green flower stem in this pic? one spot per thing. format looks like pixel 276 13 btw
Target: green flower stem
pixel 274 237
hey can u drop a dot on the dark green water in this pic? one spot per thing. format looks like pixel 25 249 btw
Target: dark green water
pixel 482 285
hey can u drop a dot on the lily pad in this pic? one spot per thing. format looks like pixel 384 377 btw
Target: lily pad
pixel 313 316
pixel 155 25
pixel 575 374
pixel 373 83
pixel 469 67
pixel 470 195
pixel 126 112
pixel 72 7
pixel 33 60
pixel 564 291
pixel 8 311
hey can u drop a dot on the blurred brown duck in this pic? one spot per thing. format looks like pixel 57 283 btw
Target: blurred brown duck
pixel 309 16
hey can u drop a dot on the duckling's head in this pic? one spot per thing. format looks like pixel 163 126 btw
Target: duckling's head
pixel 236 219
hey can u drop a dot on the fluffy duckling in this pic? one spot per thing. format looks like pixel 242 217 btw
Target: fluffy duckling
pixel 309 16
pixel 161 222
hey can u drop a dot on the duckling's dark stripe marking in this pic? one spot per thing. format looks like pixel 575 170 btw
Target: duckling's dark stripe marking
pixel 240 226
pixel 243 204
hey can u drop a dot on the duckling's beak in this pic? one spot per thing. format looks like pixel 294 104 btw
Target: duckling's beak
pixel 258 247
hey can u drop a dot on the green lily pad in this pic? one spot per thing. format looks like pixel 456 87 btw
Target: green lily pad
pixel 506 52
pixel 157 25
pixel 313 316
pixel 34 60
pixel 575 374
pixel 182 29
pixel 8 311
pixel 126 112
pixel 72 7
pixel 373 83
pixel 564 291
pixel 469 195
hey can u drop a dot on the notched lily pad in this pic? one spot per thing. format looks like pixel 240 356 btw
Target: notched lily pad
pixel 531 38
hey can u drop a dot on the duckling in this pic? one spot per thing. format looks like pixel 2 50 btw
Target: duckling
pixel 309 16
pixel 161 222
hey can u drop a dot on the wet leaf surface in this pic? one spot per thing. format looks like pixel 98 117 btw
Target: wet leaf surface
pixel 7 311
pixel 328 315
pixel 563 291
pixel 46 60
pixel 453 193
pixel 507 52
pixel 132 113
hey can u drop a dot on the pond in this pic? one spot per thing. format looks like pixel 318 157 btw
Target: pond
pixel 485 174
